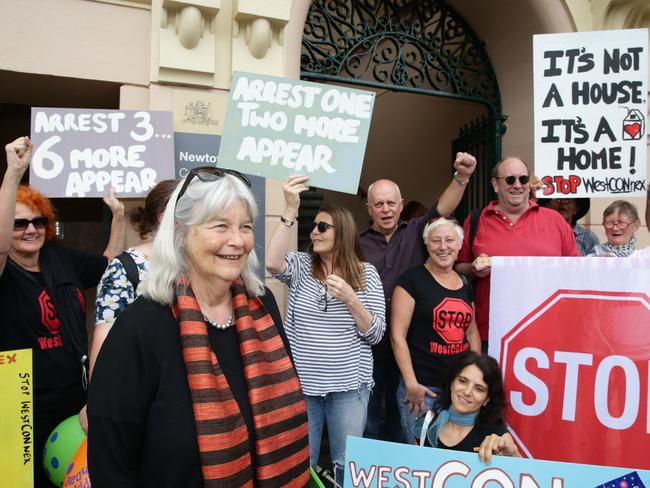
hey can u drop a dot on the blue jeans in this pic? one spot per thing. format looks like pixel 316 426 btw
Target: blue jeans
pixel 408 418
pixel 345 414
pixel 386 376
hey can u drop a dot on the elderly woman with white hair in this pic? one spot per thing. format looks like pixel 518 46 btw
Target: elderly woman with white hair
pixel 432 321
pixel 194 386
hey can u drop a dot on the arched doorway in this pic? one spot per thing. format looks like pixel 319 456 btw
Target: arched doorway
pixel 417 47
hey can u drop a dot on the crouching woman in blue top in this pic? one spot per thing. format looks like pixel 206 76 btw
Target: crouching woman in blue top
pixel 471 408
pixel 335 313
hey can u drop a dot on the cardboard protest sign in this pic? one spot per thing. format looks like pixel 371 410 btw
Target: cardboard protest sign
pixel 590 113
pixel 82 153
pixel 370 463
pixel 276 127
pixel 16 418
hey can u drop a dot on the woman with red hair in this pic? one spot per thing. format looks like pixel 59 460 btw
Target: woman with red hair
pixel 41 296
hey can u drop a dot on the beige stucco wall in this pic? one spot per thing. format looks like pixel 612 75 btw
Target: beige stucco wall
pixel 75 39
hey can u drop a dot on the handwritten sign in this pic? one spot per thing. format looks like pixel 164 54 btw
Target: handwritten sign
pixel 276 127
pixel 590 113
pixel 82 153
pixel 16 418
pixel 370 463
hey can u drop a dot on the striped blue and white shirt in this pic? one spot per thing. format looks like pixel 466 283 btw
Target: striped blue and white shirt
pixel 330 353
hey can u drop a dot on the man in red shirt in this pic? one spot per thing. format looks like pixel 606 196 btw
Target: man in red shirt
pixel 512 225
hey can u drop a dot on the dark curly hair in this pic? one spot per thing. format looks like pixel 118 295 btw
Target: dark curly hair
pixel 145 219
pixel 494 411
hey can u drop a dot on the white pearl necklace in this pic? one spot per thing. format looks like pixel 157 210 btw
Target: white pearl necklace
pixel 219 326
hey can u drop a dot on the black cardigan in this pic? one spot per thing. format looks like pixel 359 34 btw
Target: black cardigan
pixel 141 423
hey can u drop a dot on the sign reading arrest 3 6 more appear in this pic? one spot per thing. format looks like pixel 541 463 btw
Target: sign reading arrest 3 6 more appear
pixel 82 153
pixel 276 127
pixel 590 113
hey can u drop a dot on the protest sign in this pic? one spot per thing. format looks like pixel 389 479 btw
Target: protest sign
pixel 590 109
pixel 82 153
pixel 370 463
pixel 276 127
pixel 573 349
pixel 16 418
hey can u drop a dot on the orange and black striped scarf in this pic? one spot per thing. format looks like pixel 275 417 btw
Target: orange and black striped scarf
pixel 277 404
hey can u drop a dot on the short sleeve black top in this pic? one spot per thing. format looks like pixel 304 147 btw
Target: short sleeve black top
pixel 30 320
pixel 437 330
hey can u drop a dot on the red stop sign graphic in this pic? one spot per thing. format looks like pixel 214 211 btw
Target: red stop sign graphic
pixel 450 319
pixel 577 380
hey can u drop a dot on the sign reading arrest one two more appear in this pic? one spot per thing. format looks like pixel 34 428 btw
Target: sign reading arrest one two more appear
pixel 590 113
pixel 276 127
pixel 82 153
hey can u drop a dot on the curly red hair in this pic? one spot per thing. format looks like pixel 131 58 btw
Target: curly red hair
pixel 38 203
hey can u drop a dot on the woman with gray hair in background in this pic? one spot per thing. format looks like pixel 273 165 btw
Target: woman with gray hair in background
pixel 194 386
pixel 621 221
pixel 432 321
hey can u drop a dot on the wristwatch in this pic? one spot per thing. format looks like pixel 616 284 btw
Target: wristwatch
pixel 287 222
pixel 460 181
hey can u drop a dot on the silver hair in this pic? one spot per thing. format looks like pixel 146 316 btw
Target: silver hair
pixel 202 202
pixel 460 234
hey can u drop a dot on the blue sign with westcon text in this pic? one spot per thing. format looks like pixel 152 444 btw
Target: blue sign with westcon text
pixel 376 464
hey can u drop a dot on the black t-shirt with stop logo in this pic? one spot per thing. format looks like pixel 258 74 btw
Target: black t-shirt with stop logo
pixel 437 330
pixel 30 320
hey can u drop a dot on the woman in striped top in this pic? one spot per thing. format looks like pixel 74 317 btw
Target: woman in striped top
pixel 335 313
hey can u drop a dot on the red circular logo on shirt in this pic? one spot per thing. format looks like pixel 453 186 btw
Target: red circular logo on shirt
pixel 450 319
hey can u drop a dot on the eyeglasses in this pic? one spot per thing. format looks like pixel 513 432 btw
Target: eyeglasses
pixel 322 227
pixel 323 298
pixel 510 180
pixel 38 222
pixel 207 174
pixel 609 224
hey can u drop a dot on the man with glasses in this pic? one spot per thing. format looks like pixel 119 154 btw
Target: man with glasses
pixel 394 246
pixel 513 225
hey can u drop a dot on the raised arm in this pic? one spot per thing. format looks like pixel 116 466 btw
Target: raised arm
pixel 279 243
pixel 19 154
pixel 117 239
pixel 464 165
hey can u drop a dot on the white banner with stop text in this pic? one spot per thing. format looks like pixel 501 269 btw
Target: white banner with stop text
pixel 571 336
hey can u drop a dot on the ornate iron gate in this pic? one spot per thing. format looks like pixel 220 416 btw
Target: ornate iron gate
pixel 418 46
pixel 478 137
